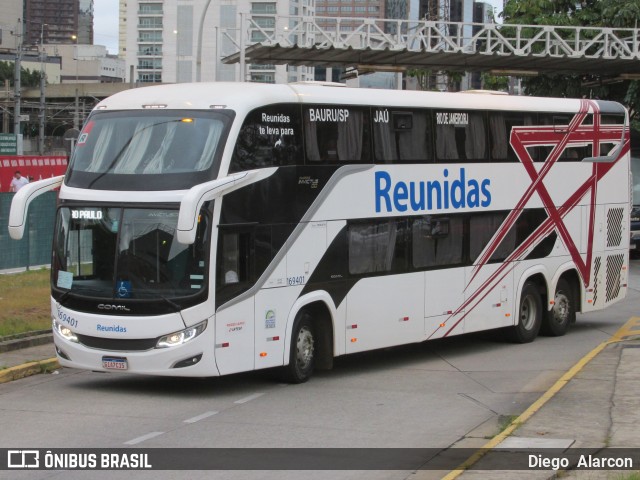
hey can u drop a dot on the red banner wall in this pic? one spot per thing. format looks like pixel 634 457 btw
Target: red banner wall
pixel 38 167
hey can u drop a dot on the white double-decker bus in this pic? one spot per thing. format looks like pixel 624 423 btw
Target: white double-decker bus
pixel 209 229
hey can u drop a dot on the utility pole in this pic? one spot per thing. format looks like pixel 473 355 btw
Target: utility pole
pixel 16 83
pixel 5 111
pixel 42 106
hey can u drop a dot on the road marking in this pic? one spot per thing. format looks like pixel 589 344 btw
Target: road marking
pixel 622 332
pixel 200 417
pixel 248 399
pixel 627 330
pixel 141 439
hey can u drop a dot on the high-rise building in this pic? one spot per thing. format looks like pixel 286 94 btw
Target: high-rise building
pixel 447 12
pixel 178 41
pixel 12 13
pixel 60 22
pixel 351 14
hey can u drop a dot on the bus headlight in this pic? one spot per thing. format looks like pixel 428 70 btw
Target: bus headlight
pixel 64 331
pixel 181 337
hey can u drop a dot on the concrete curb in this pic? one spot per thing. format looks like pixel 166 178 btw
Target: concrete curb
pixel 17 342
pixel 28 369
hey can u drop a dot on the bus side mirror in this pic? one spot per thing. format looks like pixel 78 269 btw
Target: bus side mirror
pixel 613 155
pixel 22 199
pixel 194 199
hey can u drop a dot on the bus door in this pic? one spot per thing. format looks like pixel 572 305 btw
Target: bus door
pixel 385 306
pixel 489 293
pixel 234 341
pixel 437 243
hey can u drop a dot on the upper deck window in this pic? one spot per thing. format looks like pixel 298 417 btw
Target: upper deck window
pixel 336 134
pixel 402 135
pixel 461 136
pixel 172 149
pixel 270 136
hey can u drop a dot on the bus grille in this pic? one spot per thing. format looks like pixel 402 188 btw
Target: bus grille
pixel 614 267
pixel 614 227
pixel 117 344
pixel 596 272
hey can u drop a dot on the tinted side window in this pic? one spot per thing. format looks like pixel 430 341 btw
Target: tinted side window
pixel 234 269
pixel 461 136
pixel 438 241
pixel 560 122
pixel 244 253
pixel 500 126
pixel 482 228
pixel 336 134
pixel 377 247
pixel 401 135
pixel 270 136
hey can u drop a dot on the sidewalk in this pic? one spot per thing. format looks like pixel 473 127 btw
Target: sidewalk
pixel 23 362
pixel 596 404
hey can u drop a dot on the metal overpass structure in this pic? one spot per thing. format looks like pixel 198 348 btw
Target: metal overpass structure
pixel 397 45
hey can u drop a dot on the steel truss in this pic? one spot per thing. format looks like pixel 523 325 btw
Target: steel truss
pixel 331 41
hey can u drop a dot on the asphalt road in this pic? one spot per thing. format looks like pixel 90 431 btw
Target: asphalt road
pixel 428 395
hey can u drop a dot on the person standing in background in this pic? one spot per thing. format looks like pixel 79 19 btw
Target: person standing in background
pixel 18 182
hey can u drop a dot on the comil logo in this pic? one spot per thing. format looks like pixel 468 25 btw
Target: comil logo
pixel 23 459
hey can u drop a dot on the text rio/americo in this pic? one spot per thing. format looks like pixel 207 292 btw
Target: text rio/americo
pixel 450 191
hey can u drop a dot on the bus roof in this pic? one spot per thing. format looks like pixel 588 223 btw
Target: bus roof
pixel 247 96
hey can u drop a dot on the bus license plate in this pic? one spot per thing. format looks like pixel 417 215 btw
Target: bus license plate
pixel 114 363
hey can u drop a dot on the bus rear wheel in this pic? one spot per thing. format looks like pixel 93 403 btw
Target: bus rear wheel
pixel 529 315
pixel 563 314
pixel 302 354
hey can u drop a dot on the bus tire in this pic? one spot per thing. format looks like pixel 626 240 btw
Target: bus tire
pixel 557 320
pixel 302 354
pixel 529 315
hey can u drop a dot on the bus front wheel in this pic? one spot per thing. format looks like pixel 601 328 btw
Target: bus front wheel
pixel 529 315
pixel 302 353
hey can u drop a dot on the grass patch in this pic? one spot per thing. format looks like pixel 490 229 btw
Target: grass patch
pixel 503 422
pixel 628 476
pixel 24 302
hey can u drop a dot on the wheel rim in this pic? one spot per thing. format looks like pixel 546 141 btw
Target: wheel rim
pixel 304 348
pixel 561 308
pixel 528 312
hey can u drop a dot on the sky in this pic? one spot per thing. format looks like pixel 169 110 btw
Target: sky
pixel 105 24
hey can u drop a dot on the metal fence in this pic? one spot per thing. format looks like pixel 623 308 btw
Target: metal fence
pixel 35 247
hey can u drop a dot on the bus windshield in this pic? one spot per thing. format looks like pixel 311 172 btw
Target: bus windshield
pixel 171 148
pixel 127 253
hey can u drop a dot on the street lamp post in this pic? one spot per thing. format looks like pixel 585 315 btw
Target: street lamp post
pixel 76 115
pixel 199 47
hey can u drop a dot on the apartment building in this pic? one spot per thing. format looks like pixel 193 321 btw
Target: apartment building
pixel 174 41
pixel 59 22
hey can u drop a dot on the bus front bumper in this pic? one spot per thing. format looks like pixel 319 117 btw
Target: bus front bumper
pixel 193 359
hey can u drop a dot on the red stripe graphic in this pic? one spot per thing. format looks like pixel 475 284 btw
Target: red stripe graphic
pixel 522 138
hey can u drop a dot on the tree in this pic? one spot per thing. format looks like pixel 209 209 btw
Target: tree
pixel 592 13
pixel 28 78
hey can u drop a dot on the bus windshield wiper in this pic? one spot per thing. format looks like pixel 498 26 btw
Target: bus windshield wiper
pixel 171 302
pixel 155 296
